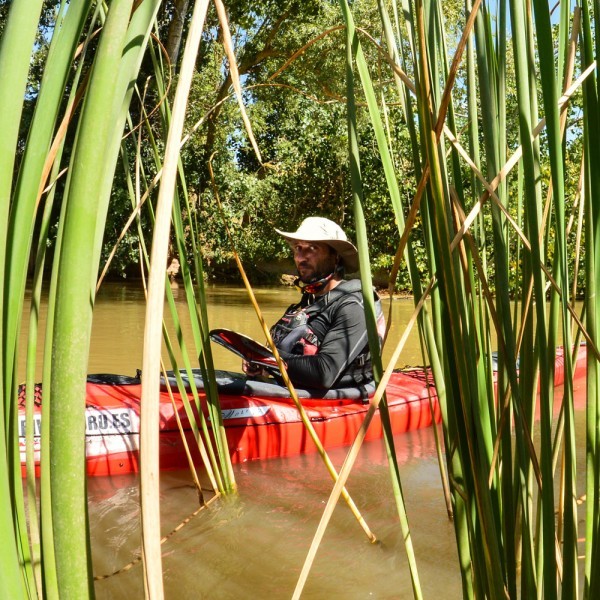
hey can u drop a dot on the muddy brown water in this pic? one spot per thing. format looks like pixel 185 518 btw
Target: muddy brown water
pixel 119 324
pixel 254 545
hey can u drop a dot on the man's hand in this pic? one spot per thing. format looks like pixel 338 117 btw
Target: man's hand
pixel 253 370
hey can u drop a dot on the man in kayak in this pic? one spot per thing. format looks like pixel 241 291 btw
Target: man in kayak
pixel 323 338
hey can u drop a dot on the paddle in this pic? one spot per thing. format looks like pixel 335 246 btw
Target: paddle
pixel 244 346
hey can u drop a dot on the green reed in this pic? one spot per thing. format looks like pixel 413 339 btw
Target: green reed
pixel 218 462
pixel 54 559
pixel 485 224
pixel 500 458
pixel 354 53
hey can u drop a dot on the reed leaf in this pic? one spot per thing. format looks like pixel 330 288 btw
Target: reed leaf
pixel 16 43
pixel 220 472
pixel 550 95
pixel 46 557
pixel 589 51
pixel 153 333
pixel 354 52
pixel 473 425
pixel 201 329
pixel 30 181
pixel 72 327
pixel 15 51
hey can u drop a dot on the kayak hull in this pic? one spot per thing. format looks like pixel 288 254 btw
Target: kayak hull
pixel 256 426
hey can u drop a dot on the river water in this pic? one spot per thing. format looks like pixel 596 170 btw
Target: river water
pixel 119 314
pixel 254 545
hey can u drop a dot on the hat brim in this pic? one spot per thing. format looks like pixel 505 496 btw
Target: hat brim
pixel 346 250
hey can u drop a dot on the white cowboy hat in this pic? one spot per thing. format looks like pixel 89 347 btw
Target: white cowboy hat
pixel 319 229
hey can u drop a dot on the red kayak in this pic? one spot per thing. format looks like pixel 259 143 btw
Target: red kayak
pixel 260 418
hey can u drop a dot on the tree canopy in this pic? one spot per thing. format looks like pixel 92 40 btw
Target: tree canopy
pixel 290 57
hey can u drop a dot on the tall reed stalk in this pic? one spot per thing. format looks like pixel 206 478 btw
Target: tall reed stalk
pixel 95 116
pixel 15 47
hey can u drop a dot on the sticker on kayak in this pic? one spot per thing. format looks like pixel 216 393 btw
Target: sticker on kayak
pixel 250 412
pixel 37 425
pixel 119 421
pixel 116 421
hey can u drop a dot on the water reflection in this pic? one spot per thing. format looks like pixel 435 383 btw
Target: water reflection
pixel 117 333
pixel 119 314
pixel 254 546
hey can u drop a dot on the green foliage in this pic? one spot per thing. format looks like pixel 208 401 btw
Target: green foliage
pixel 298 119
pixel 299 114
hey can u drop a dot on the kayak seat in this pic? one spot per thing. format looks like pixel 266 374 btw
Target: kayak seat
pixel 237 384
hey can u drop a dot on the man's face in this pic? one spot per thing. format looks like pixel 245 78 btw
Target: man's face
pixel 314 260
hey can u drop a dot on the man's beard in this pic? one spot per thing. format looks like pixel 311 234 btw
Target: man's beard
pixel 323 269
pixel 319 273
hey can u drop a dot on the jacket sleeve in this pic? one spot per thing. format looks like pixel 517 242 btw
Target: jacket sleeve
pixel 342 343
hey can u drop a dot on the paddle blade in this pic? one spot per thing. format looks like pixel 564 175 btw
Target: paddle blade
pixel 244 346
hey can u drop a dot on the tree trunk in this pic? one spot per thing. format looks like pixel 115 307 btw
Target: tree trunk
pixel 175 32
